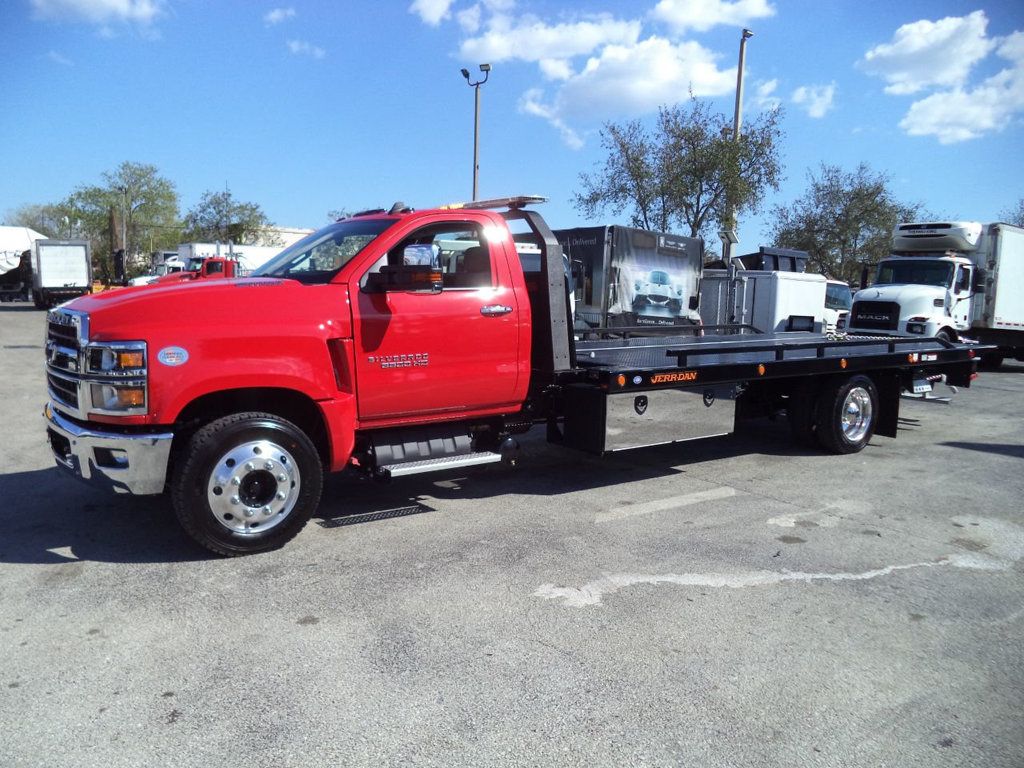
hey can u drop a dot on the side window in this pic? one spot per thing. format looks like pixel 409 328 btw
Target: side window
pixel 464 255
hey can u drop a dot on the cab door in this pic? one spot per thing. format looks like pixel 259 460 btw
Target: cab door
pixel 961 308
pixel 420 353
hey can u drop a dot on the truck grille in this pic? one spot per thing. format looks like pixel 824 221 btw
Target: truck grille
pixel 62 332
pixel 875 315
pixel 63 389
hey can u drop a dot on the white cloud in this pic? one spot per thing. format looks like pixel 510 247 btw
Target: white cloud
pixel 631 80
pixel 469 19
pixel 302 48
pixel 964 114
pixel 702 15
pixel 764 95
pixel 555 69
pixel 529 39
pixel 100 12
pixel 432 12
pixel 930 53
pixel 816 100
pixel 57 58
pixel 531 104
pixel 599 67
pixel 278 15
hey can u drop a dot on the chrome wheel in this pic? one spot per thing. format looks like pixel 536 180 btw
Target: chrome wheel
pixel 253 487
pixel 857 414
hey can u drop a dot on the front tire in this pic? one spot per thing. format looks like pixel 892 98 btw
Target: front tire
pixel 846 414
pixel 249 483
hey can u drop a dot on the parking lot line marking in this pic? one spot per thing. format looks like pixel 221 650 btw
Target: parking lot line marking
pixel 663 505
pixel 1003 544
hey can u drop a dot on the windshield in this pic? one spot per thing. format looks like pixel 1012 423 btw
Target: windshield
pixel 658 278
pixel 317 258
pixel 915 272
pixel 838 297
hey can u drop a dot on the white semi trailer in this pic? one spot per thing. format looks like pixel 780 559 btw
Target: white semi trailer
pixel 950 280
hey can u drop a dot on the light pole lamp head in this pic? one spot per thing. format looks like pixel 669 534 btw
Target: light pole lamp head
pixel 485 67
pixel 465 73
pixel 747 34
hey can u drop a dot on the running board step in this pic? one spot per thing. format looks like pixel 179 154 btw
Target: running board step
pixel 434 465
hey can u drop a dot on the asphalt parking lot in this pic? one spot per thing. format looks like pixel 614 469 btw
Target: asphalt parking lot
pixel 728 602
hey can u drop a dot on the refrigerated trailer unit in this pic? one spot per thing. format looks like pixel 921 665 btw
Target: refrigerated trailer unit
pixel 951 280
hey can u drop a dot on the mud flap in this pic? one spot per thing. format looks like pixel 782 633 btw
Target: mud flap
pixel 889 389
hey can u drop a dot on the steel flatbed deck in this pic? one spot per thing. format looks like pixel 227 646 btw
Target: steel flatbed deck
pixel 633 362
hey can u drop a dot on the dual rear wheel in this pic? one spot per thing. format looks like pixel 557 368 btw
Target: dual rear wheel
pixel 840 417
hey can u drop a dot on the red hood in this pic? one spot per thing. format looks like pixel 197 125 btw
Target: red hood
pixel 256 304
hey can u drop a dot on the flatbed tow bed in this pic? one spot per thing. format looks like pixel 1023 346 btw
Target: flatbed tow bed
pixel 738 357
pixel 634 391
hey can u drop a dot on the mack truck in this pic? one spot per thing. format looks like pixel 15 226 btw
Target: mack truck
pixel 375 345
pixel 950 280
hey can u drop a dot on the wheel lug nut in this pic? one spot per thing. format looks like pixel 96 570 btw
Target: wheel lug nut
pixel 268 511
pixel 281 495
pixel 235 481
pixel 235 500
pixel 249 466
pixel 282 477
pixel 269 465
pixel 250 512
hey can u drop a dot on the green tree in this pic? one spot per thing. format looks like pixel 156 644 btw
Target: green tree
pixel 45 219
pixel 133 199
pixel 686 172
pixel 1014 215
pixel 218 217
pixel 844 220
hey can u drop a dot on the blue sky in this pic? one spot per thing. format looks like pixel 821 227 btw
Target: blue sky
pixel 304 107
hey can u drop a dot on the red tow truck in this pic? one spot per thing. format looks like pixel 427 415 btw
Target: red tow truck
pixel 399 342
pixel 208 267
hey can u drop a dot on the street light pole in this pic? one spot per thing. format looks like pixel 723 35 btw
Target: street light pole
pixel 729 230
pixel 486 69
pixel 737 121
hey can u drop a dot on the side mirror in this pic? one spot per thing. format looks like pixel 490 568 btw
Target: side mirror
pixel 694 303
pixel 980 277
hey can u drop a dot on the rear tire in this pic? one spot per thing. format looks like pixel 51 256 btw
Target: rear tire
pixel 846 414
pixel 946 335
pixel 249 482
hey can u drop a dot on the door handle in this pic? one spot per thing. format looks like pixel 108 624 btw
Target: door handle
pixel 495 310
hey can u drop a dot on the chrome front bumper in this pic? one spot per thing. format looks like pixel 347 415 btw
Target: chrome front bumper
pixel 123 463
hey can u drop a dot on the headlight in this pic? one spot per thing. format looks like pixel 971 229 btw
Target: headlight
pixel 119 398
pixel 915 328
pixel 116 373
pixel 117 359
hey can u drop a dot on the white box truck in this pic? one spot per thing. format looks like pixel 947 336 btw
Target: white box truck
pixel 770 301
pixel 950 280
pixel 61 270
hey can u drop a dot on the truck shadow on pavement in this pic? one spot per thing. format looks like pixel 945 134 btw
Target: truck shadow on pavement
pixel 1000 449
pixel 50 518
pixel 543 470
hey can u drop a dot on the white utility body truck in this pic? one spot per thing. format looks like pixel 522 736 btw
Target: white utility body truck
pixel 949 280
